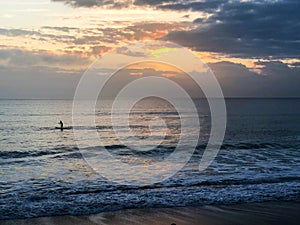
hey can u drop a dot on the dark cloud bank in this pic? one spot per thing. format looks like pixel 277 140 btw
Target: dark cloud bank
pixel 276 80
pixel 249 29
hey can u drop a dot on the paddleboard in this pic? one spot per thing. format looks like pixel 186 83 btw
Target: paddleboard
pixel 64 128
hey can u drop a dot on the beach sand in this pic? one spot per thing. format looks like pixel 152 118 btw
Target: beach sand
pixel 287 213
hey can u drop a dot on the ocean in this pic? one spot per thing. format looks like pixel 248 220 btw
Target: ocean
pixel 43 173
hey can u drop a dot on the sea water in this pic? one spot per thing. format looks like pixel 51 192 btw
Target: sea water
pixel 43 173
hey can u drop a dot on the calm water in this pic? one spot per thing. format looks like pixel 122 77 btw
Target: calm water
pixel 43 172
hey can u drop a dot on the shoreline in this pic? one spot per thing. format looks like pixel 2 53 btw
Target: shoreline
pixel 266 213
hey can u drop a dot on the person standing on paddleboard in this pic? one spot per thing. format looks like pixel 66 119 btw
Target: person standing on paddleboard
pixel 61 124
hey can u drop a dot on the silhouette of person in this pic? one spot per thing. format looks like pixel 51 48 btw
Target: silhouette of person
pixel 61 124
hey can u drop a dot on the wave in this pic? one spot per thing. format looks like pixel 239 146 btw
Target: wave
pixel 23 154
pixel 249 146
pixel 162 149
pixel 189 184
pixel 37 198
pixel 66 202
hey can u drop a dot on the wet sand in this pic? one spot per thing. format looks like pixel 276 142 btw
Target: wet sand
pixel 287 213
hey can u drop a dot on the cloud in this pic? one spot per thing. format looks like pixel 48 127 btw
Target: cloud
pixel 17 58
pixel 99 50
pixel 93 3
pixel 126 51
pixel 62 29
pixel 236 80
pixel 17 32
pixel 92 41
pixel 262 29
pixel 247 29
pixel 133 32
pixel 39 34
pixel 37 83
pixel 203 6
pixel 276 80
pixel 179 5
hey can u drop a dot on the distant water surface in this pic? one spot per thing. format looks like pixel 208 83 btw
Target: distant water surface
pixel 42 172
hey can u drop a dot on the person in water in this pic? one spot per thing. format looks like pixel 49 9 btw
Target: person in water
pixel 61 124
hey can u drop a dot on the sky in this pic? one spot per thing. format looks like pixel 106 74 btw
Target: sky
pixel 252 46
